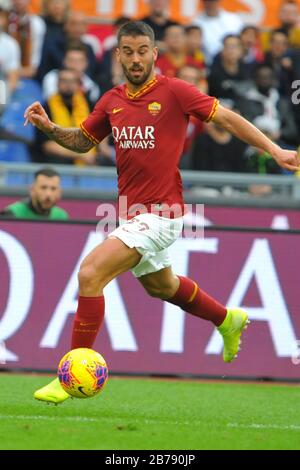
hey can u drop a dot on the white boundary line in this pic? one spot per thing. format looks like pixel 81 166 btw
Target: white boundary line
pixel 283 427
pixel 48 418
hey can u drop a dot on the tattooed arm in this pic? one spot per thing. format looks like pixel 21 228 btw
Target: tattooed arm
pixel 70 138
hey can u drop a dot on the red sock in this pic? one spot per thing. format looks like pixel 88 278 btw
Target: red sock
pixel 88 319
pixel 195 301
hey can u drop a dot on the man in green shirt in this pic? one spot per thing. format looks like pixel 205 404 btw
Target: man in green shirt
pixel 45 192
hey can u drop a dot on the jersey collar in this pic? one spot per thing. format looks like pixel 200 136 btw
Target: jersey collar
pixel 142 90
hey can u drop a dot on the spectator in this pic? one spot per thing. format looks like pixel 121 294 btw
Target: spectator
pixel 194 75
pixel 159 20
pixel 277 58
pixel 195 127
pixel 111 73
pixel 75 59
pixel 9 57
pixel 294 88
pixel 76 28
pixel 218 150
pixel 288 16
pixel 216 23
pixel 175 55
pixel 111 42
pixel 228 75
pixel 263 106
pixel 67 108
pixel 44 194
pixel 294 36
pixel 29 30
pixel 55 13
pixel 252 50
pixel 54 47
pixel 194 43
pixel 261 163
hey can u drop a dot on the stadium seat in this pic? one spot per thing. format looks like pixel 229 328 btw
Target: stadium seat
pixel 102 184
pixel 16 179
pixel 12 118
pixel 14 152
pixel 67 181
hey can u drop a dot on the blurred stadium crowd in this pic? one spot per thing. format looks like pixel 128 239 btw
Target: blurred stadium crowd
pixel 57 58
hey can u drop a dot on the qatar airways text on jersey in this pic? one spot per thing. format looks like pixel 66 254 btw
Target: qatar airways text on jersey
pixel 134 137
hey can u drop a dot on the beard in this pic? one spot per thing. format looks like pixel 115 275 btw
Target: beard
pixel 141 77
pixel 41 207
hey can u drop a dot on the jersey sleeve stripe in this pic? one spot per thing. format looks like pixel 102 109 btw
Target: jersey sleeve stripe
pixel 89 136
pixel 213 111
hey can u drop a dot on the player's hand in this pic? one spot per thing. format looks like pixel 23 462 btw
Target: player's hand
pixel 288 159
pixel 37 116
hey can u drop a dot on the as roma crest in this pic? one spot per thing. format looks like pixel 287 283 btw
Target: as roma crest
pixel 154 108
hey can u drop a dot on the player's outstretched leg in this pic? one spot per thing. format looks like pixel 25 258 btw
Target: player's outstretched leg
pixel 187 295
pixel 229 322
pixel 103 264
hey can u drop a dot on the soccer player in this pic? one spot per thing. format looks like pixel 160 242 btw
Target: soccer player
pixel 45 192
pixel 147 116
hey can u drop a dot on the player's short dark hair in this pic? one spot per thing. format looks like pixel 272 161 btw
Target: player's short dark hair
pixel 46 171
pixel 136 28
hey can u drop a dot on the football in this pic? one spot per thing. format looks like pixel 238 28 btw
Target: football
pixel 82 372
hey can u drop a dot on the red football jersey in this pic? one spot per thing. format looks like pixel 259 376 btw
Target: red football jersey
pixel 149 130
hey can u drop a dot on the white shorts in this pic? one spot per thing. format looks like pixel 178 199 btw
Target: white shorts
pixel 151 235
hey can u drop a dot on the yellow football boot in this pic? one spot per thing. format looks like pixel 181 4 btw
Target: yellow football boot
pixel 231 330
pixel 52 393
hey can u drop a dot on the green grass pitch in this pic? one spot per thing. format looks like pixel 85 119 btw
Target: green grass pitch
pixel 152 414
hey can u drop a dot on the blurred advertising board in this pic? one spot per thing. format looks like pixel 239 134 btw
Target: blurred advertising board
pixel 213 215
pixel 258 270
